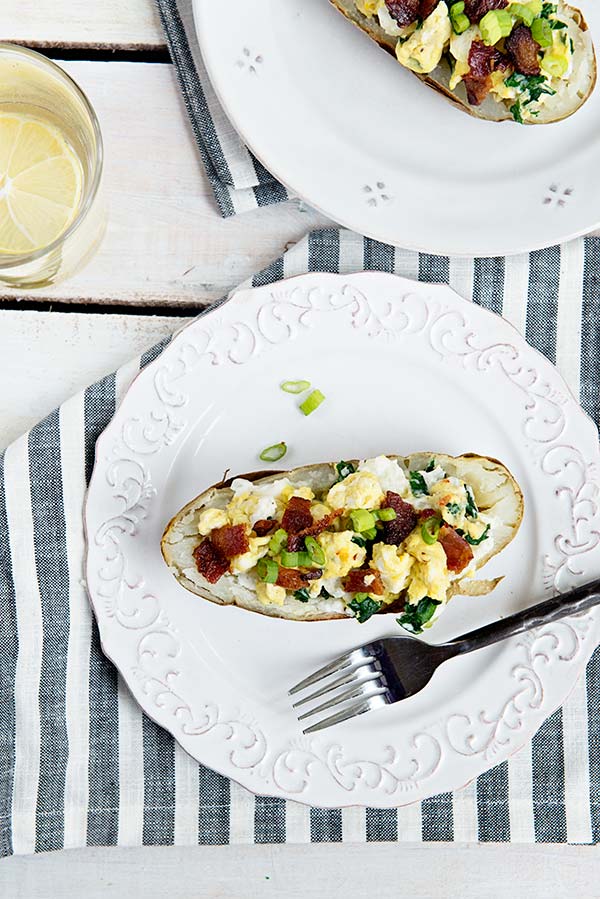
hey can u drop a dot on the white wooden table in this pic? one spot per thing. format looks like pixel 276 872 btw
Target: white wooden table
pixel 167 251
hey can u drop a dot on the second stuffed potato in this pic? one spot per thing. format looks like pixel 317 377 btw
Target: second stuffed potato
pixel 531 61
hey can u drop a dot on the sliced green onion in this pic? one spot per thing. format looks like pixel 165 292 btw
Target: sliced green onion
pixel 525 14
pixel 274 453
pixel 496 24
pixel 430 530
pixel 295 386
pixel 267 570
pixel 315 551
pixel 541 32
pixel 312 402
pixel 535 6
pixel 362 520
pixel 459 20
pixel 302 595
pixel 295 560
pixel 277 541
pixel 554 65
pixel 370 534
pixel 386 514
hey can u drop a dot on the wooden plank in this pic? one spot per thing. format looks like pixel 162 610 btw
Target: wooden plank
pixel 430 871
pixel 46 357
pixel 78 23
pixel 166 242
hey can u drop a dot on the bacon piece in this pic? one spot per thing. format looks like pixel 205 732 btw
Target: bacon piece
pixel 356 581
pixel 424 514
pixel 483 60
pixel 394 532
pixel 523 51
pixel 404 12
pixel 297 516
pixel 426 7
pixel 264 526
pixel 297 578
pixel 296 541
pixel 458 552
pixel 475 10
pixel 230 540
pixel 209 562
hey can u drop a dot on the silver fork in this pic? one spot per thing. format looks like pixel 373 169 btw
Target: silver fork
pixel 394 668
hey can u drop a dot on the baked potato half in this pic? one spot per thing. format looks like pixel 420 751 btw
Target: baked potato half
pixel 531 61
pixel 398 534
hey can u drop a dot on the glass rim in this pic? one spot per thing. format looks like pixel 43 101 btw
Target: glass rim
pixel 11 260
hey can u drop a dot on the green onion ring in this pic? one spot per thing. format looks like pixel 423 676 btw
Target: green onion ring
pixel 274 453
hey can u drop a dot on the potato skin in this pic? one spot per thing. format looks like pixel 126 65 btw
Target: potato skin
pixel 322 476
pixel 490 110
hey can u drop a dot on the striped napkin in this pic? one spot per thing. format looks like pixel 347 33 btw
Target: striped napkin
pixel 239 181
pixel 80 764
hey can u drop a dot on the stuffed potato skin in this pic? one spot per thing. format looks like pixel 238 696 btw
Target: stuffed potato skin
pixel 400 569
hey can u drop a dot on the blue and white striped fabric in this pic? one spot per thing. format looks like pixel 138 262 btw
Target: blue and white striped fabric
pixel 80 764
pixel 239 181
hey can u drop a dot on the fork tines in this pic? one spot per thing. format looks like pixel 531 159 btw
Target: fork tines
pixel 358 687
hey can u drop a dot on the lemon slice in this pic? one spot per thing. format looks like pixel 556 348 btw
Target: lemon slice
pixel 40 184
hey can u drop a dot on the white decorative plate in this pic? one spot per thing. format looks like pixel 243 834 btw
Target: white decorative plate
pixel 341 123
pixel 405 367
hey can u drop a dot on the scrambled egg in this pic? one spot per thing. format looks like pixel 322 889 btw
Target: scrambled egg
pixel 500 89
pixel 429 574
pixel 450 497
pixel 341 553
pixel 319 511
pixel 211 519
pixel 389 474
pixel 253 502
pixel 423 50
pixel 259 546
pixel 368 7
pixel 460 44
pixel 270 593
pixel 360 490
pixel 393 566
pixel 287 493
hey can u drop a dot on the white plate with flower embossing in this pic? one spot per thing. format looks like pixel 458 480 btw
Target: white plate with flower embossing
pixel 343 125
pixel 404 367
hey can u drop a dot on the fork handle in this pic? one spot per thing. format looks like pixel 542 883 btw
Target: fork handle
pixel 561 606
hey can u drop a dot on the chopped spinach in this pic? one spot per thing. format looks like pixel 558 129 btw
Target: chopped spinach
pixel 548 9
pixel 515 110
pixel 416 616
pixel 325 594
pixel 556 24
pixel 474 541
pixel 471 511
pixel 302 595
pixel 534 85
pixel 360 541
pixel 431 466
pixel 453 508
pixel 418 484
pixel 363 607
pixel 344 469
